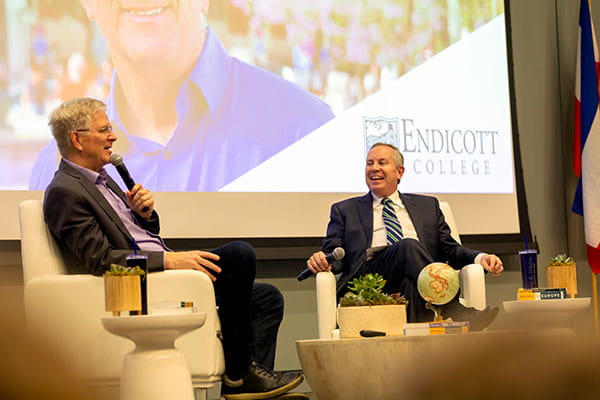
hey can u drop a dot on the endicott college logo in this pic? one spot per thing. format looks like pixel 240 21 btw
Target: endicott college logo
pixel 435 150
pixel 380 130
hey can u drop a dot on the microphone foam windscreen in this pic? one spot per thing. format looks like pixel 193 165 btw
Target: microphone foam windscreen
pixel 116 159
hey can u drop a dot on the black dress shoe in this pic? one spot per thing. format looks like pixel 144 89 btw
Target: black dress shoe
pixel 479 319
pixel 260 383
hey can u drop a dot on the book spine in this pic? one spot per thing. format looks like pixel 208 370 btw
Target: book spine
pixel 545 295
pixel 552 295
pixel 416 332
pixel 437 328
pixel 449 324
pixel 526 296
pixel 448 330
pixel 541 290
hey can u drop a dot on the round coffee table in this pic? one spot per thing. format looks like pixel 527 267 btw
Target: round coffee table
pixel 379 367
pixel 155 369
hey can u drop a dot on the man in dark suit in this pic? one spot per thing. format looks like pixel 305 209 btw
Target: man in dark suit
pixel 414 235
pixel 96 224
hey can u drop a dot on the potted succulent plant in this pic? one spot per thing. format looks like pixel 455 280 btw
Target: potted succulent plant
pixel 366 307
pixel 561 272
pixel 122 289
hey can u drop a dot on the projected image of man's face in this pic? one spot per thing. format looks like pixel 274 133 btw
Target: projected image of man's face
pixel 146 29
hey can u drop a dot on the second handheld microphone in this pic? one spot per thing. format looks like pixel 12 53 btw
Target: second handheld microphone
pixel 337 254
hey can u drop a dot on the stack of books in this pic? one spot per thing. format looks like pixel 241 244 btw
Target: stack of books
pixel 172 308
pixel 436 328
pixel 541 293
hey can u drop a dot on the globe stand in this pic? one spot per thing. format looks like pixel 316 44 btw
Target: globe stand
pixel 436 311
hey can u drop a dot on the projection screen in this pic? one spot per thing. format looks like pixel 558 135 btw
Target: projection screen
pixel 251 120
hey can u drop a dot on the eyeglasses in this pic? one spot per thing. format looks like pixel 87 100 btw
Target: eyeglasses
pixel 103 131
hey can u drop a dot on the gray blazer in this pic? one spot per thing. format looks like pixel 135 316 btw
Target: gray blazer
pixel 89 231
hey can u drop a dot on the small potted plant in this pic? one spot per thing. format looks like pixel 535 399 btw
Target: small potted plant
pixel 122 289
pixel 561 272
pixel 366 307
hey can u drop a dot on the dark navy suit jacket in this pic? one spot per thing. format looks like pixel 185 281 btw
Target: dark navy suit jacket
pixel 351 227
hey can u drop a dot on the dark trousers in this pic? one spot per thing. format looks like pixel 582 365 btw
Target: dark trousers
pixel 266 310
pixel 233 290
pixel 250 313
pixel 400 265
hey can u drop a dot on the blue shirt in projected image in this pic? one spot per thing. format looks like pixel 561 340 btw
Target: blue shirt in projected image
pixel 251 115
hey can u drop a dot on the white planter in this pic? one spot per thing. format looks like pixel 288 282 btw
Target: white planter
pixel 387 318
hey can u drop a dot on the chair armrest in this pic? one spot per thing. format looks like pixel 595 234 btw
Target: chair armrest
pixel 67 311
pixel 181 284
pixel 202 347
pixel 326 304
pixel 472 286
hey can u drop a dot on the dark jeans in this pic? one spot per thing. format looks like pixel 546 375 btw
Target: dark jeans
pixel 250 312
pixel 233 290
pixel 266 310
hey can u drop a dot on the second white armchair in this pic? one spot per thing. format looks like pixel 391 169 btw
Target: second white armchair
pixel 472 287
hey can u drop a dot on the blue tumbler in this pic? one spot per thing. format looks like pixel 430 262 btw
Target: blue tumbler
pixel 141 261
pixel 529 268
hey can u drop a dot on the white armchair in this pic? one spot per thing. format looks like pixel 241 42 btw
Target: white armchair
pixel 472 287
pixel 66 310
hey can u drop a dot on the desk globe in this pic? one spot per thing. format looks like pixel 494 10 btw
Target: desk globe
pixel 438 283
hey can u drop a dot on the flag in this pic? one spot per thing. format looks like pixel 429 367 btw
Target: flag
pixel 586 138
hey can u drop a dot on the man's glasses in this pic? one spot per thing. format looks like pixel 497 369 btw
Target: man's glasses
pixel 103 131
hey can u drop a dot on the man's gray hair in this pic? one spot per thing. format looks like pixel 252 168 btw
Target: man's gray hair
pixel 396 155
pixel 70 116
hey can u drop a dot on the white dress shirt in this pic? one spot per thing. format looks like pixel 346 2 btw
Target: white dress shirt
pixel 408 229
pixel 379 234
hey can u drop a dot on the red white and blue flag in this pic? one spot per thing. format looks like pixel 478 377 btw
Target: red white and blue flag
pixel 586 141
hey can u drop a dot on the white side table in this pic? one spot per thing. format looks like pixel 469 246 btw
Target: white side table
pixel 155 369
pixel 553 316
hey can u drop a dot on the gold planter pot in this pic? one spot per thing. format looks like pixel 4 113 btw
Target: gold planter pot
pixel 562 276
pixel 122 293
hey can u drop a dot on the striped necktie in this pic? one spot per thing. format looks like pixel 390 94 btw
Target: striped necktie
pixel 392 225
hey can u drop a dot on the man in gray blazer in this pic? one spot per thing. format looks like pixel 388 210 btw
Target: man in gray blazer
pixel 96 224
pixel 418 236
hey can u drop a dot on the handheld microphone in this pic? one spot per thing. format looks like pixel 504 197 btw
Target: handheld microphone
pixel 117 161
pixel 337 254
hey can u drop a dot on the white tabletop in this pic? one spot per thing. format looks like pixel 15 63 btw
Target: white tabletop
pixel 565 305
pixel 154 329
pixel 549 315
